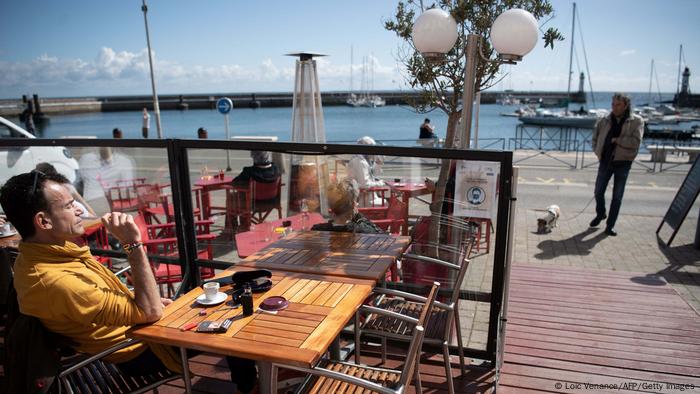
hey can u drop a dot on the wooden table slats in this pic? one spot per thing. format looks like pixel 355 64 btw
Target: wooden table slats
pixel 319 306
pixel 365 256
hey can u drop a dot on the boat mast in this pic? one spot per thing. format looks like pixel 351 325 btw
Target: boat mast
pixel 571 58
pixel 351 67
pixel 678 80
pixel 651 77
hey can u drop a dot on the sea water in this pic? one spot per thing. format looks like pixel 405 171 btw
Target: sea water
pixel 392 125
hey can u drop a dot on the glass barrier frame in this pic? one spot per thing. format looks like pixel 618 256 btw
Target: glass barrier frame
pixel 177 155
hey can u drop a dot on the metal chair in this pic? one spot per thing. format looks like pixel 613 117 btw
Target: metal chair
pixel 93 375
pixel 254 203
pixel 444 317
pixel 159 239
pixel 344 377
pixel 122 196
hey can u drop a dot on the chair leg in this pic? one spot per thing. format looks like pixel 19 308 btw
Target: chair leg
pixel 460 345
pixel 357 338
pixel 273 379
pixel 419 384
pixel 448 368
pixel 383 350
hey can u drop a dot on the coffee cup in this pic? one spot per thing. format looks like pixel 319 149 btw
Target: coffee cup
pixel 211 289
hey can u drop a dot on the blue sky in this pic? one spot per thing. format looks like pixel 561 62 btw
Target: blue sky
pixel 97 47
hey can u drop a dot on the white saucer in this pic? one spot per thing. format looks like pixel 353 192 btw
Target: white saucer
pixel 9 234
pixel 220 297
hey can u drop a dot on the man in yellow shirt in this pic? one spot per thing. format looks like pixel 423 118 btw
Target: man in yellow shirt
pixel 72 294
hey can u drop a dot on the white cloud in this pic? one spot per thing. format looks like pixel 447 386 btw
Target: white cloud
pixel 124 72
pixel 628 52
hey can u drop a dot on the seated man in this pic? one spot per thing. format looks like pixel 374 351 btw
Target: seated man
pixel 364 169
pixel 343 202
pixel 263 170
pixel 72 294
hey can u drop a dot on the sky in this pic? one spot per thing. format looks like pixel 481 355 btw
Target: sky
pixel 73 48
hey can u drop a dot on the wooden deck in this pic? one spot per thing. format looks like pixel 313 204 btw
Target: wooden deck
pixel 566 328
pixel 571 327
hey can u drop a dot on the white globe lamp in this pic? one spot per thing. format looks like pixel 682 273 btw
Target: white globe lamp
pixel 434 33
pixel 514 34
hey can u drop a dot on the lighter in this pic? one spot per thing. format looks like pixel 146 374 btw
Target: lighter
pixel 247 301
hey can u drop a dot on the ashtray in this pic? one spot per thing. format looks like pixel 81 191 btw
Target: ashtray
pixel 274 303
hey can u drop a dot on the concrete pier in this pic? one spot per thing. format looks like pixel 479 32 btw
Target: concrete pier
pixel 13 107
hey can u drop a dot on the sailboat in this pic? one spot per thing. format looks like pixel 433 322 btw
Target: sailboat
pixel 366 98
pixel 581 120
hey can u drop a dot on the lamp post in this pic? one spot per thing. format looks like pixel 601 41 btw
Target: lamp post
pixel 513 35
pixel 156 107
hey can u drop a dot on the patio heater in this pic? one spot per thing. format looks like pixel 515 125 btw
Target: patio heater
pixel 308 177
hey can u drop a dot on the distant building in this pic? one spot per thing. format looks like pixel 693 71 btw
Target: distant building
pixel 685 98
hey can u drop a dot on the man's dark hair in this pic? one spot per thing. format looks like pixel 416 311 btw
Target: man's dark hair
pixel 427 120
pixel 22 197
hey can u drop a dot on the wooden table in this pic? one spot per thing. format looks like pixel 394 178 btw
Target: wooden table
pixel 212 183
pixel 249 242
pixel 319 308
pixel 362 256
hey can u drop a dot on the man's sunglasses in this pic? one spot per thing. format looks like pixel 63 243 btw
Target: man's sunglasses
pixel 36 180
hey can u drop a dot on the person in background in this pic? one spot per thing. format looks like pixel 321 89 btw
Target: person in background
pixel 427 130
pixel 202 133
pixel 88 304
pixel 101 170
pixel 146 123
pixel 87 210
pixel 263 170
pixel 343 202
pixel 29 121
pixel 117 133
pixel 365 168
pixel 615 141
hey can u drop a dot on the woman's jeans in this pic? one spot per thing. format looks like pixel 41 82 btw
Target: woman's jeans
pixel 620 170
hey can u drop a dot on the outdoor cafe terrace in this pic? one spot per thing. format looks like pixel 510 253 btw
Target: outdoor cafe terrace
pixel 521 327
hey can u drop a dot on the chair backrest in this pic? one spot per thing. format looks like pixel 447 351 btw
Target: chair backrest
pixel 418 335
pixel 149 194
pixel 266 190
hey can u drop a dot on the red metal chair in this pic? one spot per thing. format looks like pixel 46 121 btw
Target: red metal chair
pixel 154 203
pixel 121 195
pixel 389 217
pixel 254 203
pixel 159 239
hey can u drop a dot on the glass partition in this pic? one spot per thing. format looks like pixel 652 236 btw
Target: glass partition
pixel 206 206
pixel 447 206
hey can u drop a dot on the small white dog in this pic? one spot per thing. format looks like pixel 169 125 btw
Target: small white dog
pixel 547 223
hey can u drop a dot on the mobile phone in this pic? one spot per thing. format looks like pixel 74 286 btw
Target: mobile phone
pixel 214 326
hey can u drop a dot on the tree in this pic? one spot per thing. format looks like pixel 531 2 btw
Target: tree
pixel 442 83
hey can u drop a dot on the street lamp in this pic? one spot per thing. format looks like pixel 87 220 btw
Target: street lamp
pixel 156 107
pixel 513 35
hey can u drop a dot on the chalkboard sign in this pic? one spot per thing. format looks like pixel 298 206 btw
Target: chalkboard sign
pixel 681 204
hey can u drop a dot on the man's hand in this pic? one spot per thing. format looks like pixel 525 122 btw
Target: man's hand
pixel 122 226
pixel 166 301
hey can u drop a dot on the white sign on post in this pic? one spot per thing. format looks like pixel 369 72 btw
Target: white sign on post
pixel 224 106
pixel 475 189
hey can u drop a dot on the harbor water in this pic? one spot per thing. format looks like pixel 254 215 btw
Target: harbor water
pixel 392 125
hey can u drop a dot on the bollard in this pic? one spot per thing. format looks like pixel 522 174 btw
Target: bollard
pixel 202 133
